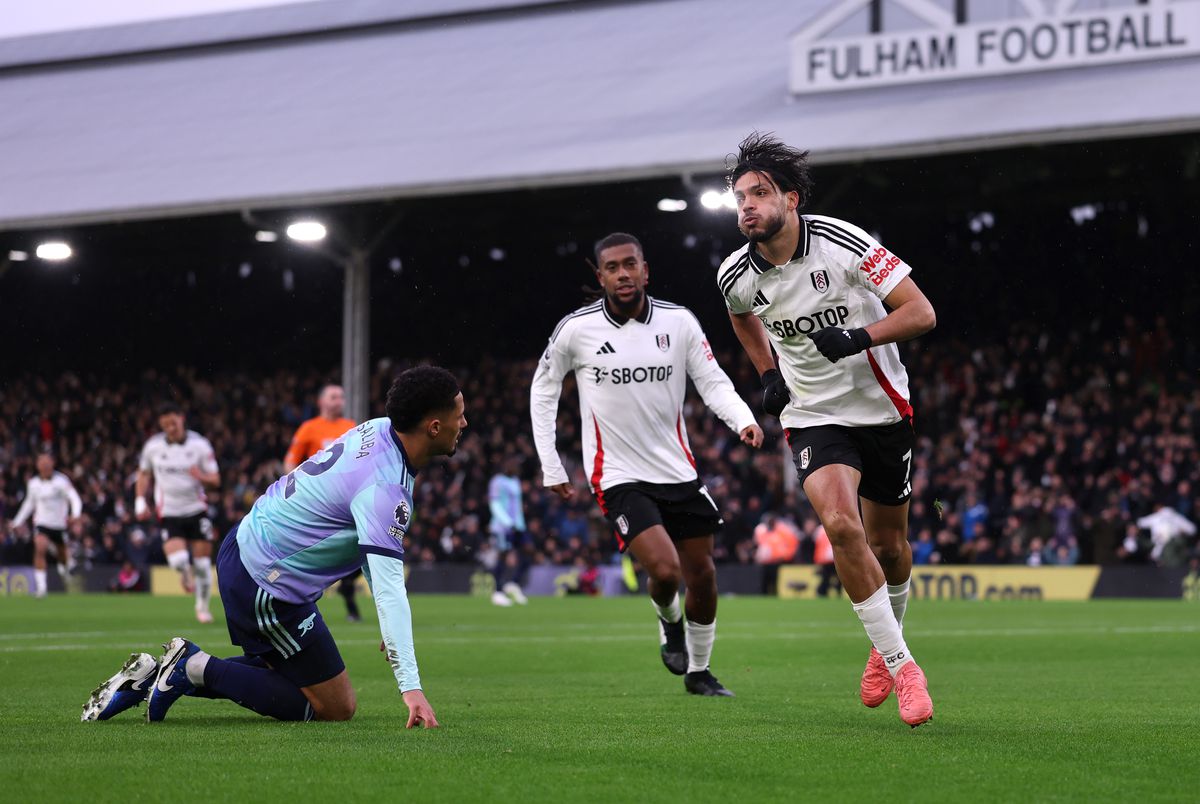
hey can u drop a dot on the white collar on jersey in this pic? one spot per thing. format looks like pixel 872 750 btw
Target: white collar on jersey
pixel 761 264
pixel 618 320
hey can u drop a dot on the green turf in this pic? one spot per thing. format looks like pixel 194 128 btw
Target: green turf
pixel 565 700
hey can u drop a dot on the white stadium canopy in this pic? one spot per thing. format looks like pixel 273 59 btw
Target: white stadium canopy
pixel 358 99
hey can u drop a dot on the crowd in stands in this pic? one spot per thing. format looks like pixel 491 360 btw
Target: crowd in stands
pixel 1032 450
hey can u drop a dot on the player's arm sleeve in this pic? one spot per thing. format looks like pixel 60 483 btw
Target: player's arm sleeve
pixel 727 276
pixel 296 452
pixel 712 382
pixel 144 463
pixel 869 263
pixel 208 463
pixel 26 507
pixel 382 514
pixel 544 393
pixel 385 576
pixel 73 498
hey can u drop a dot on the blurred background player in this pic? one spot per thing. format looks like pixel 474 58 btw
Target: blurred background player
pixel 313 436
pixel 182 465
pixel 54 504
pixel 507 527
pixel 632 355
pixel 350 505
pixel 812 289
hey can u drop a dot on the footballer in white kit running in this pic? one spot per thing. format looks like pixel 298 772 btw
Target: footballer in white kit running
pixel 53 503
pixel 816 291
pixel 183 466
pixel 632 355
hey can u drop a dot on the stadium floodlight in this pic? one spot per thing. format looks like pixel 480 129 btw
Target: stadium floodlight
pixel 1084 213
pixel 715 199
pixel 306 231
pixel 18 256
pixel 671 205
pixel 53 251
pixel 266 236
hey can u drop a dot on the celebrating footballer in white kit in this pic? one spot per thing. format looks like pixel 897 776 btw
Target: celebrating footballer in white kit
pixel 182 464
pixel 632 355
pixel 814 289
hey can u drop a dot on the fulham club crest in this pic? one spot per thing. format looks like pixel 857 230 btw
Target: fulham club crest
pixel 664 342
pixel 623 524
pixel 820 280
pixel 805 457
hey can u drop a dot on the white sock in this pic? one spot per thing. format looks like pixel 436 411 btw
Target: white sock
pixel 670 612
pixel 881 626
pixel 898 594
pixel 178 561
pixel 203 568
pixel 700 643
pixel 39 582
pixel 195 667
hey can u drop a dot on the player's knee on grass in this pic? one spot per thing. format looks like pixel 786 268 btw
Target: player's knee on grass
pixel 333 699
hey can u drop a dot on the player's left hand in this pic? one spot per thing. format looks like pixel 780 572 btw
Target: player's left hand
pixel 419 710
pixel 836 343
pixel 752 435
pixel 195 472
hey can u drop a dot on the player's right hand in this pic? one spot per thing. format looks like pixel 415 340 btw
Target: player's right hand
pixel 419 710
pixel 775 392
pixel 141 511
pixel 564 490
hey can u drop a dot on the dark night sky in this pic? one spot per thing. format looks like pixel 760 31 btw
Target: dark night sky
pixel 152 294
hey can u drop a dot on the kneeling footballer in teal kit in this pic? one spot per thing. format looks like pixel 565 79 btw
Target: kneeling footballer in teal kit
pixel 349 505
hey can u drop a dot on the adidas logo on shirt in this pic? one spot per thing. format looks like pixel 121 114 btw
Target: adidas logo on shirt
pixel 606 349
pixel 760 298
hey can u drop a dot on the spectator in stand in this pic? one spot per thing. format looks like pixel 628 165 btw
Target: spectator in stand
pixel 823 558
pixel 776 541
pixel 1058 432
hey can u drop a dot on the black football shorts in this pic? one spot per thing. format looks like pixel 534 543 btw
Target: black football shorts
pixel 882 454
pixel 686 510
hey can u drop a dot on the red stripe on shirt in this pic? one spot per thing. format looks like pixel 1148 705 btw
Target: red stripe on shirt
pixel 902 405
pixel 598 468
pixel 679 432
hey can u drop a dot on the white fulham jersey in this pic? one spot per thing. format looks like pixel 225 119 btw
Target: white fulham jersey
pixel 838 277
pixel 632 377
pixel 49 501
pixel 176 492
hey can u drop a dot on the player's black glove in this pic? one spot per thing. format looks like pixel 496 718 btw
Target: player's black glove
pixel 775 392
pixel 836 343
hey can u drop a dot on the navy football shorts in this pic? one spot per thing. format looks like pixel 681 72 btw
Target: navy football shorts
pixel 292 638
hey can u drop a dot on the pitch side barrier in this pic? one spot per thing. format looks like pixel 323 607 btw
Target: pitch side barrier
pixel 796 581
pixel 1020 583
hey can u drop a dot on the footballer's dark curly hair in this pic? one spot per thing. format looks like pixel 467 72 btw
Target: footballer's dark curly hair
pixel 785 165
pixel 418 392
pixel 616 239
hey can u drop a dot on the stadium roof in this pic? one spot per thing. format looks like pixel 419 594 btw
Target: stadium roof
pixel 332 101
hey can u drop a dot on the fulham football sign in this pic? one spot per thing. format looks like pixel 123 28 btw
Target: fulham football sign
pixel 1044 36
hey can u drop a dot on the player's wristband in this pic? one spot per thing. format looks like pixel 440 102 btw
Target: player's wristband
pixel 139 506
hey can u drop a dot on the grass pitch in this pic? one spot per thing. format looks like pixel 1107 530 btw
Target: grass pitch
pixel 566 700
